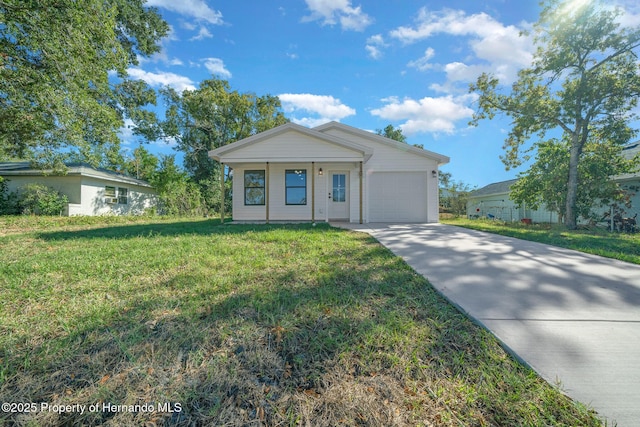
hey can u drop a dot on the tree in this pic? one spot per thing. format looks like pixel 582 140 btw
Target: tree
pixel 55 59
pixel 453 194
pixel 584 83
pixel 142 164
pixel 177 194
pixel 212 116
pixel 545 182
pixel 392 133
pixel 396 134
pixel 38 199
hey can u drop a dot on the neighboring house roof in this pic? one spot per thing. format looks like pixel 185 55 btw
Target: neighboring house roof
pixel 383 140
pixel 502 187
pixel 82 169
pixel 629 151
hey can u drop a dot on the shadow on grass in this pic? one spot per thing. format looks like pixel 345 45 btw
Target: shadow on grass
pixel 361 340
pixel 202 227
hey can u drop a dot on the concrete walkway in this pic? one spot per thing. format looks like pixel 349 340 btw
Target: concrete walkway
pixel 573 317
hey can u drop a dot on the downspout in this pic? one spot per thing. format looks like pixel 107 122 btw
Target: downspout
pixel 360 192
pixel 221 193
pixel 313 192
pixel 266 190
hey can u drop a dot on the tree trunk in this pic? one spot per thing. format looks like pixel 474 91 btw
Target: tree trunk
pixel 572 184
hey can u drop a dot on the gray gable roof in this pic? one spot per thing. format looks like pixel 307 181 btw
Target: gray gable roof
pixel 83 169
pixel 495 188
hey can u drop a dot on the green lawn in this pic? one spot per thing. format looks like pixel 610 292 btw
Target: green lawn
pixel 622 246
pixel 243 325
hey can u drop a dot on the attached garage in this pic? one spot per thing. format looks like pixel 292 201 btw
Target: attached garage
pixel 398 197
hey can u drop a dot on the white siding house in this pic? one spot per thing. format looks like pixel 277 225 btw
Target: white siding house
pixel 494 201
pixel 331 172
pixel 90 191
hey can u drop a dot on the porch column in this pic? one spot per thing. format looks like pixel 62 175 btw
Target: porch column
pixel 221 193
pixel 266 191
pixel 313 192
pixel 361 192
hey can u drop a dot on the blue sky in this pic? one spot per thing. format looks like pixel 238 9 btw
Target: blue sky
pixel 364 63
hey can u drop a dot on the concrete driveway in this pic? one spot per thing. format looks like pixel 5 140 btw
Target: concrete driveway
pixel 573 317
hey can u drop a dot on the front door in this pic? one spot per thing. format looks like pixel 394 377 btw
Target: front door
pixel 339 195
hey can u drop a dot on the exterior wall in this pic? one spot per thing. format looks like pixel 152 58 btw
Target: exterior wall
pixel 499 206
pixel 93 199
pixel 87 195
pixel 278 209
pixel 632 187
pixel 68 185
pixel 386 158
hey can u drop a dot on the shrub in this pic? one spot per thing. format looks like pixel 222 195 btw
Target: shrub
pixel 8 200
pixel 38 199
pixel 180 198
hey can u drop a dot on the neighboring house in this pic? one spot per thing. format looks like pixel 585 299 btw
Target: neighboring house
pixel 493 200
pixel 90 191
pixel 330 172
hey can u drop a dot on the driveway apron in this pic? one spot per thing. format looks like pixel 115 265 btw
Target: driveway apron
pixel 573 317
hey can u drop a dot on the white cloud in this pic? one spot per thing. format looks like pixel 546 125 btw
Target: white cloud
pixel 216 66
pixel 497 46
pixel 323 108
pixel 176 81
pixel 434 115
pixel 631 16
pixel 193 8
pixel 202 34
pixel 374 46
pixel 423 63
pixel 125 133
pixel 331 12
pixel 374 51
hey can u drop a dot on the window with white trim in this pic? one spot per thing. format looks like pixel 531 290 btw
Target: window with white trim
pixel 123 196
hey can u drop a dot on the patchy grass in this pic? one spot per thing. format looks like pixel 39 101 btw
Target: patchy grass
pixel 244 325
pixel 621 246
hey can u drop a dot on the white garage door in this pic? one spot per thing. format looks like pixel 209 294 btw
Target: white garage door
pixel 398 197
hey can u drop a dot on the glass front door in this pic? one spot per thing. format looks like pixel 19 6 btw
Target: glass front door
pixel 339 196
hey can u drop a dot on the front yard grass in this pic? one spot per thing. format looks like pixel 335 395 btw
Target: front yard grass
pixel 243 325
pixel 621 246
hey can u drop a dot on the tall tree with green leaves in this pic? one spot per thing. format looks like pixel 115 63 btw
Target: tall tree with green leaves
pixel 392 133
pixel 545 182
pixel 584 84
pixel 212 116
pixel 141 164
pixel 55 60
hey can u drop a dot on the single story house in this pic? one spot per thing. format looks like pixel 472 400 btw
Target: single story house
pixel 330 172
pixel 90 191
pixel 494 201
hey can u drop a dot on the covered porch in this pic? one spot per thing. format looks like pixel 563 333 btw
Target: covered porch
pixel 283 190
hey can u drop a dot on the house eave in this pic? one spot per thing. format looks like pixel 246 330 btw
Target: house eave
pixel 439 158
pixel 74 170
